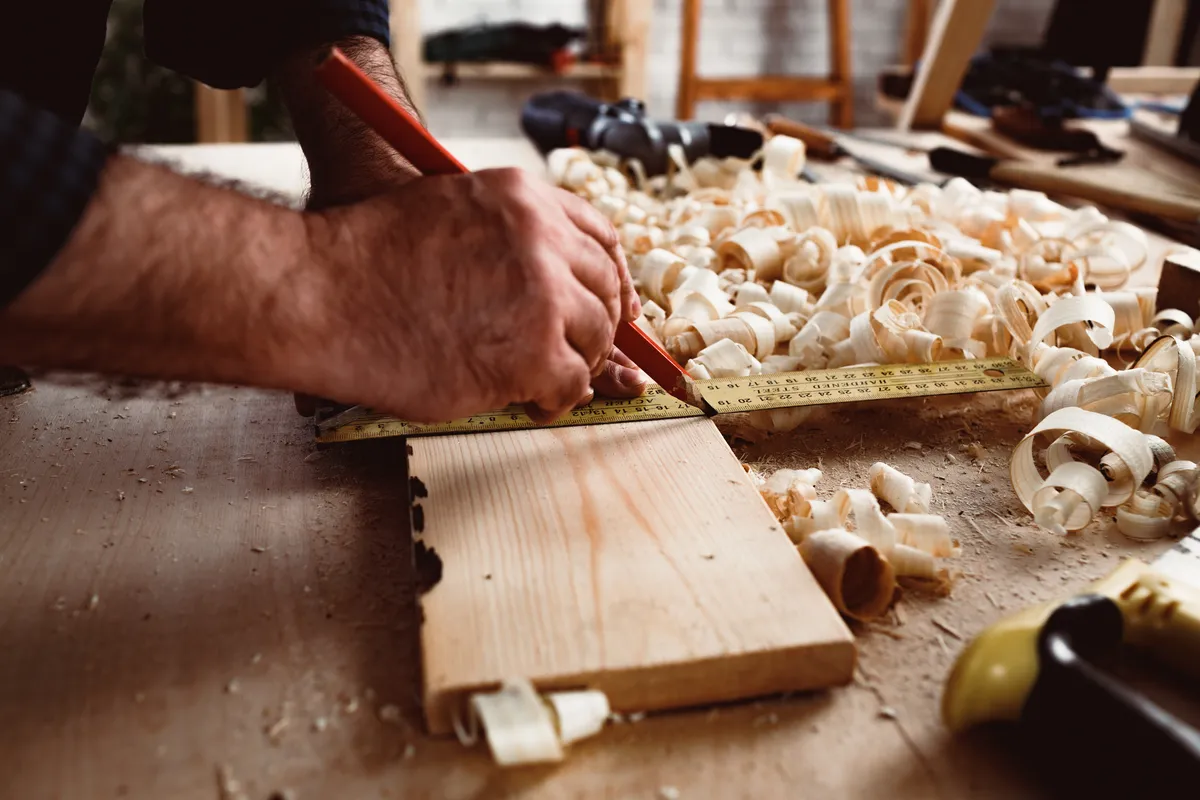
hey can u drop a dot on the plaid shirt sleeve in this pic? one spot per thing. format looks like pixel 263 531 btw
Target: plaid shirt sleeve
pixel 234 43
pixel 49 169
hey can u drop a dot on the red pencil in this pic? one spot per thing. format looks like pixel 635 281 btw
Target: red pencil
pixel 355 89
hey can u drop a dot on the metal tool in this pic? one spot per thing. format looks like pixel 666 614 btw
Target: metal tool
pixel 558 119
pixel 1042 669
pixel 826 147
pixel 357 423
pixel 397 127
pixel 721 396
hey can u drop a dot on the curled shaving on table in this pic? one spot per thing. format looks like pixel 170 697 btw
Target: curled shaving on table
pixel 856 552
pixel 746 271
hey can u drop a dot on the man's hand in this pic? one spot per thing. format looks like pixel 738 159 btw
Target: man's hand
pixel 489 288
pixel 348 163
pixel 447 297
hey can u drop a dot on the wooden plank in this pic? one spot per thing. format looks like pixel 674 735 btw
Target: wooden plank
pixel 1153 80
pixel 1162 39
pixel 129 699
pixel 1175 173
pixel 685 98
pixel 955 36
pixel 916 27
pixel 176 578
pixel 220 115
pixel 982 137
pixel 637 559
pixel 630 20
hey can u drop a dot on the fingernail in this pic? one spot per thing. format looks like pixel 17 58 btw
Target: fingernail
pixel 628 376
pixel 637 307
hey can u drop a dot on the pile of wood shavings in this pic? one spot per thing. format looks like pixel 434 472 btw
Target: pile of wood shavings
pixel 856 552
pixel 746 271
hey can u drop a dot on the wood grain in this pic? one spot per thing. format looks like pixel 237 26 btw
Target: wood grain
pixel 1165 30
pixel 841 108
pixel 689 37
pixel 1153 80
pixel 179 573
pixel 983 138
pixel 916 28
pixel 106 702
pixel 220 115
pixel 770 89
pixel 956 32
pixel 630 21
pixel 636 559
pixel 405 26
pixel 1139 156
pixel 1115 186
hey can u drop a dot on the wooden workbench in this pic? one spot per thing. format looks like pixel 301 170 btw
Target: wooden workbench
pixel 191 594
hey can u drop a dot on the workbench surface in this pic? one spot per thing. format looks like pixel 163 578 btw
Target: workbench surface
pixel 192 597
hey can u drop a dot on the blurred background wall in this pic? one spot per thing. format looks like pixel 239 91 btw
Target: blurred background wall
pixel 737 37
pixel 136 102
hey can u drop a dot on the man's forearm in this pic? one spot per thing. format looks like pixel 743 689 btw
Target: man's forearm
pixel 169 277
pixel 347 160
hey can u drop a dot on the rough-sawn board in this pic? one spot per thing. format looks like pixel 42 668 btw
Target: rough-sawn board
pixel 633 558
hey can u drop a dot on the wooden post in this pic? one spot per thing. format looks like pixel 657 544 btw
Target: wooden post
pixel 916 29
pixel 685 100
pixel 408 48
pixel 957 31
pixel 629 21
pixel 842 109
pixel 1162 38
pixel 220 115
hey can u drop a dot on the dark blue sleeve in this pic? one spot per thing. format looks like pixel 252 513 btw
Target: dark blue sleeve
pixel 234 43
pixel 49 169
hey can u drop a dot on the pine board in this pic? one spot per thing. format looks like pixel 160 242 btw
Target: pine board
pixel 633 558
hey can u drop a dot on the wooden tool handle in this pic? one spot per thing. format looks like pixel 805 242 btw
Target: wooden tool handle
pixel 820 144
pixel 987 140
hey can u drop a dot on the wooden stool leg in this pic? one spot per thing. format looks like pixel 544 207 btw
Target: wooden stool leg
pixel 841 111
pixel 916 29
pixel 685 100
pixel 220 115
pixel 630 21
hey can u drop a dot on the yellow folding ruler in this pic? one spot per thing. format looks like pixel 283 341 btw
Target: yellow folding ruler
pixel 721 396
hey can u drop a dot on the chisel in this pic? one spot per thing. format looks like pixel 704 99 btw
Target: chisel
pixel 824 147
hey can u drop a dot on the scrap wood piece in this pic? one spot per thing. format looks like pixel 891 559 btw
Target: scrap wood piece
pixel 523 727
pixel 637 560
pixel 858 554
